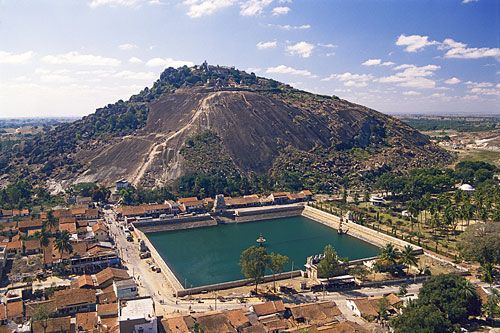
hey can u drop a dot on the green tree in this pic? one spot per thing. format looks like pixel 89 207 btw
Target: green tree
pixel 197 328
pixel 488 272
pixel 389 253
pixel 63 242
pixel 329 266
pixel 408 257
pixel 382 308
pixel 253 263
pixel 276 264
pixel 453 295
pixel 41 312
pixel 481 242
pixel 422 319
pixel 43 236
pixel 491 308
pixel 51 221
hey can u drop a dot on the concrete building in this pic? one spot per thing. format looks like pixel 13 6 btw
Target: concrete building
pixel 121 184
pixel 466 188
pixel 100 232
pixel 125 289
pixel 377 201
pixel 138 316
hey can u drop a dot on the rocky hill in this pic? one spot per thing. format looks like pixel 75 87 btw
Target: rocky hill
pixel 218 120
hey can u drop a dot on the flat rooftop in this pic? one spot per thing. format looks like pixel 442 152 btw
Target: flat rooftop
pixel 137 308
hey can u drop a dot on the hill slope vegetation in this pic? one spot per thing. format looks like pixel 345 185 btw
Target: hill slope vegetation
pixel 211 120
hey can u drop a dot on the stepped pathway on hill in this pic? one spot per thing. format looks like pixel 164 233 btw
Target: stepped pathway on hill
pixel 157 148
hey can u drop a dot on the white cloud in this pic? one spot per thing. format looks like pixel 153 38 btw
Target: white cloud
pixel 16 58
pixel 377 62
pixel 199 8
pixel 266 45
pixel 328 46
pixel 302 49
pixel 452 80
pixel 254 7
pixel 127 46
pixel 479 84
pixel 75 58
pixel 411 93
pixel 414 43
pixel 469 1
pixel 438 95
pixel 412 76
pixel 253 69
pixel 483 88
pixel 461 51
pixel 129 75
pixel 282 69
pixel 56 78
pixel 114 3
pixel 350 79
pixel 135 60
pixel 289 27
pixel 280 11
pixel 168 62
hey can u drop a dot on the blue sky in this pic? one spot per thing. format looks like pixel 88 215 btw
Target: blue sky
pixel 68 57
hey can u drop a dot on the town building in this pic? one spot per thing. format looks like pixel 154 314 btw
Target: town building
pixel 121 184
pixel 125 289
pixel 138 316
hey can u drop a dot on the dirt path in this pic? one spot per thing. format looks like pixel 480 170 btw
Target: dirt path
pixel 160 146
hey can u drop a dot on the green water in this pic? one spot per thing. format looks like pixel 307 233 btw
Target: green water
pixel 210 255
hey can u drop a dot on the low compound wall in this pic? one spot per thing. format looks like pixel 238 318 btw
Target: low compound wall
pixel 169 275
pixel 267 213
pixel 178 223
pixel 356 230
pixel 236 283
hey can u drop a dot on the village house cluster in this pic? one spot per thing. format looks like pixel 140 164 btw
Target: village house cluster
pixel 272 316
pixel 193 205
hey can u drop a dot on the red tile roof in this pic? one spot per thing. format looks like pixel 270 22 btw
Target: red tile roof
pixel 15 309
pixel 110 274
pixel 52 325
pixel 267 308
pixel 86 321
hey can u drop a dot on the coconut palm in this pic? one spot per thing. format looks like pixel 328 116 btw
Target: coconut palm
pixel 408 257
pixel 43 237
pixel 467 289
pixel 389 253
pixel 63 242
pixel 51 221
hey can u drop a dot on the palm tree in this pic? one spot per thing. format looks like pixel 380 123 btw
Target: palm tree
pixel 51 221
pixel 413 209
pixel 63 242
pixel 467 289
pixel 389 253
pixel 491 307
pixel 43 237
pixel 408 257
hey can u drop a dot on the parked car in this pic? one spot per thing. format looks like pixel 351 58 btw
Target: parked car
pixel 145 255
